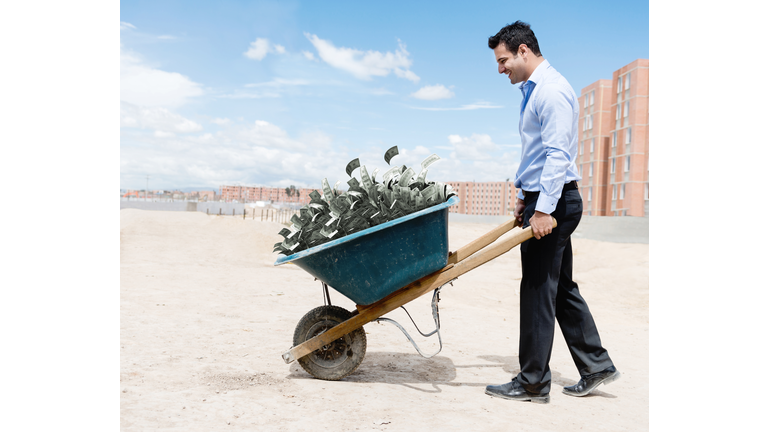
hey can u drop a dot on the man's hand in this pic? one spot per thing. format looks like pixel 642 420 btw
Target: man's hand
pixel 519 207
pixel 541 224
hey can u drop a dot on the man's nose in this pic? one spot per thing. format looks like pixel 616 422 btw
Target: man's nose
pixel 501 68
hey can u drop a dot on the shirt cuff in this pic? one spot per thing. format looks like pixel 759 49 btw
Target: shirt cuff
pixel 520 194
pixel 546 204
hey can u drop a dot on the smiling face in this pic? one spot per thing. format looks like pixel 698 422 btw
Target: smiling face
pixel 512 64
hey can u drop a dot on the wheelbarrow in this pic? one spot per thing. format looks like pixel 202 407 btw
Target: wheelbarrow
pixel 381 269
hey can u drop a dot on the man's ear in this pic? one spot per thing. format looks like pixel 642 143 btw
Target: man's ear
pixel 523 51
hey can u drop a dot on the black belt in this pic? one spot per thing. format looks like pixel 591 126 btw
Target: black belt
pixel 571 185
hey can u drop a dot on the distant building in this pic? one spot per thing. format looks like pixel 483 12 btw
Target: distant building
pixel 613 143
pixel 484 198
pixel 262 193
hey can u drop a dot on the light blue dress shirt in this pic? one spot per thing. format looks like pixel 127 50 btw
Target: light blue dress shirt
pixel 549 117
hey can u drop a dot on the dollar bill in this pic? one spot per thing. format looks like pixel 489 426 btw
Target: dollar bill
pixel 422 178
pixel 327 193
pixel 297 221
pixel 390 172
pixel 373 176
pixel 353 165
pixel 366 179
pixel 390 154
pixel 406 176
pixel 314 196
pixel 429 191
pixel 429 161
pixel 419 202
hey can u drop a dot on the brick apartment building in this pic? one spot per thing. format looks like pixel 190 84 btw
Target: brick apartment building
pixel 484 198
pixel 613 143
pixel 262 193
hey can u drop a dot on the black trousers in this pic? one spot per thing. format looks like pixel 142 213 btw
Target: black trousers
pixel 548 293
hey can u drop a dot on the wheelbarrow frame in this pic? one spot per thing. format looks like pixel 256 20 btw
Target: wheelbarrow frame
pixel 459 262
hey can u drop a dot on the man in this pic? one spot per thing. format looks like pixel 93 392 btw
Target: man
pixel 547 178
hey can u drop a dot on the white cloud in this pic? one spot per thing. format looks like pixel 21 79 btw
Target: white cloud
pixel 470 158
pixel 280 82
pixel 146 86
pixel 309 55
pixel 262 153
pixel 156 118
pixel 364 65
pixel 221 121
pixel 480 105
pixel 261 47
pixel 168 37
pixel 434 92
pixel 474 147
pixel 259 153
pixel 127 26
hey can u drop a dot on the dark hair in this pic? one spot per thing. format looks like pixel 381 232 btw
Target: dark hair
pixel 513 35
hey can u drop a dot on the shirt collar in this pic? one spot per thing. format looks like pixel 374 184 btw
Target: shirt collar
pixel 537 74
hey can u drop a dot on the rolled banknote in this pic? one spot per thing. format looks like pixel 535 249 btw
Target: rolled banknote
pixel 353 165
pixel 406 176
pixel 327 193
pixel 429 161
pixel 390 172
pixel 390 154
pixel 366 179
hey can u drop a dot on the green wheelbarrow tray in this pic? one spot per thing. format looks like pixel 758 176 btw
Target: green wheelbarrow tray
pixel 368 265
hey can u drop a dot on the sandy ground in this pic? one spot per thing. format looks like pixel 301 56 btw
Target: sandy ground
pixel 205 317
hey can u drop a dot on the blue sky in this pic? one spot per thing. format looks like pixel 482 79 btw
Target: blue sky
pixel 279 93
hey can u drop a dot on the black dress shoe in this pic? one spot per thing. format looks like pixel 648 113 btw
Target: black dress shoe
pixel 589 382
pixel 513 390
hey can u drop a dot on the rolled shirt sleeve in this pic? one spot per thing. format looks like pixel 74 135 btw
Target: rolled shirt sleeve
pixel 555 108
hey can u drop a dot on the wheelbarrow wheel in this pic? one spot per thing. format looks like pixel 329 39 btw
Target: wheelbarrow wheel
pixel 337 359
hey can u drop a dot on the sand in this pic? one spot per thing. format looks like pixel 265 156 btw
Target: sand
pixel 205 317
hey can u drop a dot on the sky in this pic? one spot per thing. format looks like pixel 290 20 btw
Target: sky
pixel 287 93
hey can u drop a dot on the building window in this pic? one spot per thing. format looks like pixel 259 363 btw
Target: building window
pixel 628 136
pixel 592 146
pixel 614 139
pixel 646 191
pixel 618 88
pixel 613 196
pixel 626 165
pixel 590 122
pixel 613 165
pixel 592 98
pixel 626 81
pixel 589 194
pixel 621 193
pixel 626 109
pixel 618 112
pixel 590 168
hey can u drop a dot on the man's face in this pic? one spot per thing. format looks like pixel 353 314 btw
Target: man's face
pixel 510 64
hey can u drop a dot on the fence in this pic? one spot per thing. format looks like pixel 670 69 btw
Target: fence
pixel 281 215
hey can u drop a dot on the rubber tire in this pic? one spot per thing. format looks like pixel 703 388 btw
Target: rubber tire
pixel 354 341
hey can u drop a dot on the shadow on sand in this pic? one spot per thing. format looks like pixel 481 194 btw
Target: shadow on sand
pixel 414 371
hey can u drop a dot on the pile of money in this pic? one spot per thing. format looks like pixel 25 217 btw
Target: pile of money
pixel 368 202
